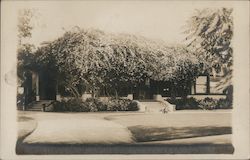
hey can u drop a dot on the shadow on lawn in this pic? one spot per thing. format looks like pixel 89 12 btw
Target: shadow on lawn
pixel 146 133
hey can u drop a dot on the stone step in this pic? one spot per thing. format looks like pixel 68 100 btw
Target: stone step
pixel 153 106
pixel 38 105
pixel 34 109
pixel 158 106
pixel 147 100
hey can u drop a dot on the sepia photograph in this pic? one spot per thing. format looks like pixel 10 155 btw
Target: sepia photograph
pixel 124 77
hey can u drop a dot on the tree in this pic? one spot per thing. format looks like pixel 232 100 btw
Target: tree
pixel 25 24
pixel 209 34
pixel 25 49
pixel 102 60
pixel 25 56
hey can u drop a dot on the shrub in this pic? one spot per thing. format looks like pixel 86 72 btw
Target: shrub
pixel 91 104
pixel 224 104
pixel 94 105
pixel 60 106
pixel 75 105
pixel 83 108
pixel 118 104
pixel 133 106
pixel 187 103
pixel 20 100
pixel 207 103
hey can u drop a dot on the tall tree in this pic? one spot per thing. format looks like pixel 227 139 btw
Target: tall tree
pixel 100 59
pixel 25 25
pixel 25 56
pixel 209 34
pixel 25 48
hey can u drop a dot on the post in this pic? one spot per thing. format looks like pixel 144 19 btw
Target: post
pixel 86 96
pixel 193 87
pixel 44 108
pixel 23 103
pixel 173 91
pixel 130 96
pixel 130 92
pixel 208 84
pixel 157 97
pixel 37 87
pixel 58 96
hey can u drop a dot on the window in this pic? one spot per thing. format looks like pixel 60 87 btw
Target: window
pixel 201 85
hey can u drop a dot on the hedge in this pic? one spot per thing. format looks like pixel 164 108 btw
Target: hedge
pixel 206 103
pixel 94 105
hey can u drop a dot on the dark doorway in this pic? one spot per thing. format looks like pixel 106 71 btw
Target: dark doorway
pixel 28 88
pixel 164 88
pixel 143 91
pixel 47 86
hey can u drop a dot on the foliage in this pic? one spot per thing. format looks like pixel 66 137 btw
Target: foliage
pixel 25 51
pixel 94 105
pixel 187 103
pixel 99 59
pixel 71 105
pixel 25 24
pixel 25 60
pixel 206 103
pixel 121 105
pixel 209 34
pixel 210 103
pixel 133 106
pixel 223 104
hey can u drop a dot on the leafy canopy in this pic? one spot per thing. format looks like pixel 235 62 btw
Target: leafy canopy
pixel 209 33
pixel 101 59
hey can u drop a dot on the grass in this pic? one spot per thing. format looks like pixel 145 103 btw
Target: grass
pixel 146 133
pixel 123 133
pixel 24 119
pixel 79 131
pixel 177 120
pixel 26 125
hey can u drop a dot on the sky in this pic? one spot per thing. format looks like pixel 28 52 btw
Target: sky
pixel 162 20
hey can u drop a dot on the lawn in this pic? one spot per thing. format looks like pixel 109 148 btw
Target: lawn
pixel 119 132
pixel 158 127
pixel 147 134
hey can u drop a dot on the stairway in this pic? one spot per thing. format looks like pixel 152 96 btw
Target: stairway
pixel 153 106
pixel 37 106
